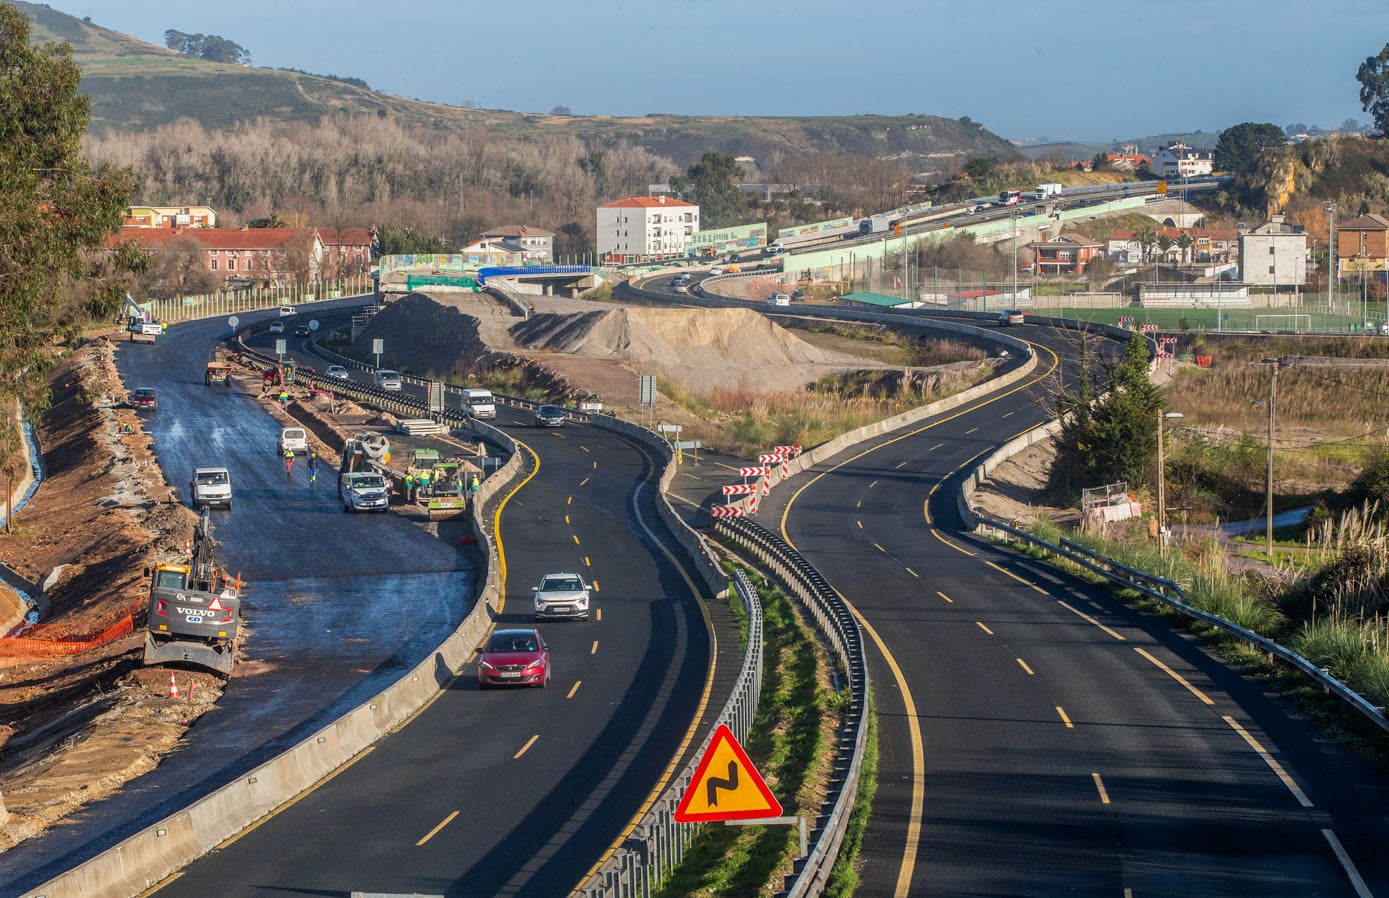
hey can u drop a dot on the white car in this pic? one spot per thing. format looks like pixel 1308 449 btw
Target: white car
pixel 561 596
pixel 286 311
pixel 716 270
pixel 388 380
pixel 364 491
pixel 337 371
pixel 277 327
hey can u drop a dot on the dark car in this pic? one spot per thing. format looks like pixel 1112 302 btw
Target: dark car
pixel 144 398
pixel 549 416
pixel 514 658
pixel 302 331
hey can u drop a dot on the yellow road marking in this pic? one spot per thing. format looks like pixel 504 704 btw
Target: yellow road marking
pixel 1088 619
pixel 1023 665
pixel 525 748
pixel 569 501
pixel 585 448
pixel 595 464
pixel 497 526
pixel 984 628
pixel 1017 578
pixel 946 597
pixel 594 650
pixel 926 512
pixel 587 563
pixel 435 831
pixel 880 548
pixel 1064 719
pixel 582 482
pixel 902 465
pixel 909 850
pixel 860 504
pixel 575 689
pixel 912 572
pixel 860 524
pixel 1174 675
pixel 873 484
pixel 1272 762
pixel 1099 786
pixel 566 519
pixel 970 431
pixel 1001 417
pixel 576 538
pixel 935 447
pixel 595 589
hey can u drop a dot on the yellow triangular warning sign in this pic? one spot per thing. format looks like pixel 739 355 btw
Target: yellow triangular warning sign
pixel 726 786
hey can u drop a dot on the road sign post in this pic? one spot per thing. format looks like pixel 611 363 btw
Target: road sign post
pixel 646 390
pixel 378 346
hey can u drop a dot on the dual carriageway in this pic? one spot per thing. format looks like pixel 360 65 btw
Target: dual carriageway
pixel 1036 737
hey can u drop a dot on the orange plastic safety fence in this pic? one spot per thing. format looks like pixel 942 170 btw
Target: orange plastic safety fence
pixel 28 646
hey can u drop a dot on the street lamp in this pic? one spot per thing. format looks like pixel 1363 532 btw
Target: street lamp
pixel 1330 251
pixel 1163 418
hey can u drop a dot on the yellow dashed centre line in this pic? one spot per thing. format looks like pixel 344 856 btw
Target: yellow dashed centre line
pixel 435 831
pixel 587 563
pixel 902 465
pixel 594 650
pixel 569 501
pixel 873 484
pixel 1271 761
pixel 1174 675
pixel 970 431
pixel 566 519
pixel 1090 620
pixel 935 447
pixel 595 464
pixel 946 597
pixel 582 482
pixel 1099 787
pixel 1023 665
pixel 984 628
pixel 576 538
pixel 585 448
pixel 526 747
pixel 577 683
pixel 860 524
pixel 860 504
pixel 912 572
pixel 1004 416
pixel 1064 719
pixel 1017 578
pixel 595 589
pixel 880 548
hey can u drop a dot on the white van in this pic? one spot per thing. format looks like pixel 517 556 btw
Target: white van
pixel 387 379
pixel 780 299
pixel 478 403
pixel 294 439
pixel 210 486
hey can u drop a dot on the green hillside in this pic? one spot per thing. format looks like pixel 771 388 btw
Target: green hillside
pixel 135 85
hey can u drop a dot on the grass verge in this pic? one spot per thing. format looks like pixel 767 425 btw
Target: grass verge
pixel 791 746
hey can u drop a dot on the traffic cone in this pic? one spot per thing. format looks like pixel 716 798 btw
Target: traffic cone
pixel 173 687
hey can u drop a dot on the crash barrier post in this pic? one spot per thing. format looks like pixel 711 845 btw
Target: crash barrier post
pixel 836 623
pixel 156 852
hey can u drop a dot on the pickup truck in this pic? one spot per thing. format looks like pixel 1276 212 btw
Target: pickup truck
pixel 145 332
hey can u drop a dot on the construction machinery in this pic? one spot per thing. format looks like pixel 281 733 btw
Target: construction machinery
pixel 194 608
pixel 218 372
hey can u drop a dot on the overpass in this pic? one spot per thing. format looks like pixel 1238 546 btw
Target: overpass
pixel 469 272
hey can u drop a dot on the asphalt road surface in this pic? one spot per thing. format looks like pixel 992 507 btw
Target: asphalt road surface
pixel 1037 736
pixel 515 792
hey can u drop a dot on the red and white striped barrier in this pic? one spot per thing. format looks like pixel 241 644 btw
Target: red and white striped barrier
pixel 739 489
pixel 727 511
pixel 788 451
pixel 1147 328
pixel 771 459
pixel 754 472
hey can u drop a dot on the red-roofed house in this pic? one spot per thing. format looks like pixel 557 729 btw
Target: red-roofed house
pixel 347 251
pixel 645 227
pixel 1363 244
pixel 1127 161
pixel 269 255
pixel 1065 254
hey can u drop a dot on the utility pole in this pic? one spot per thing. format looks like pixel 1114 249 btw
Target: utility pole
pixel 1268 482
pixel 1330 251
pixel 1015 258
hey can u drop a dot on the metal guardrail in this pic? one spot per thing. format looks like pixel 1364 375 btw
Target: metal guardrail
pixel 1157 588
pixel 658 844
pixel 836 623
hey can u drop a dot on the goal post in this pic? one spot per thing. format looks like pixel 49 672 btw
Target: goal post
pixel 1295 322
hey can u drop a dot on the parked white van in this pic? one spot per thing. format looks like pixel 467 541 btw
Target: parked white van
pixel 478 403
pixel 210 486
pixel 294 439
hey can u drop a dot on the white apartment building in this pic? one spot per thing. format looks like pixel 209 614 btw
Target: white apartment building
pixel 644 227
pixel 1180 161
pixel 1273 254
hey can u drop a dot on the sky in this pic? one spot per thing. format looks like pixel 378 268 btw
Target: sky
pixel 1091 70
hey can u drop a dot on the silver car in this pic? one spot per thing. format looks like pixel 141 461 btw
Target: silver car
pixel 561 596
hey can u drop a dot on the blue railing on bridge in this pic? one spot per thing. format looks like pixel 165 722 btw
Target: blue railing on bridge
pixel 523 270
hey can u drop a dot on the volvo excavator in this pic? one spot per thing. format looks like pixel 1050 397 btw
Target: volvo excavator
pixel 194 608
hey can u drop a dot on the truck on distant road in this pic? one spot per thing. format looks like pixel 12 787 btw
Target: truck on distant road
pixel 145 331
pixel 877 225
pixel 1047 191
pixel 1010 197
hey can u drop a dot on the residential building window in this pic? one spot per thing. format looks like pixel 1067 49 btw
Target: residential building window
pixel 214 263
pixel 1270 269
pixel 231 265
pixel 1270 250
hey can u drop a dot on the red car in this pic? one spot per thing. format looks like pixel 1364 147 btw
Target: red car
pixel 514 658
pixel 144 399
